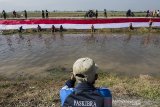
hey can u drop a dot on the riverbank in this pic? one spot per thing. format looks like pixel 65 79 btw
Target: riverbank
pixel 142 90
pixel 80 31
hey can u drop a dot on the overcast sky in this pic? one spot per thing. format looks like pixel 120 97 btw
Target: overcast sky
pixel 71 5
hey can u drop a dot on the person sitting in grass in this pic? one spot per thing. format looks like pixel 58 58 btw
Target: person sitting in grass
pixel 84 94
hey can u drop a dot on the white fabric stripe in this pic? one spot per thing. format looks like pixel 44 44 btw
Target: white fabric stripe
pixel 81 26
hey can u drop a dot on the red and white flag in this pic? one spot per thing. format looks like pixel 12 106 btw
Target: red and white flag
pixel 79 23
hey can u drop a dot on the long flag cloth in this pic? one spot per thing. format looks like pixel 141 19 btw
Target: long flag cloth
pixel 79 23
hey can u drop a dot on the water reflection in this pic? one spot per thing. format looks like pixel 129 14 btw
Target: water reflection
pixel 48 42
pixel 61 36
pixel 156 42
pixel 40 36
pixel 90 39
pixel 53 36
pixel 20 36
pixel 116 52
pixel 150 40
pixel 9 41
pixel 128 38
pixel 29 42
pixel 146 40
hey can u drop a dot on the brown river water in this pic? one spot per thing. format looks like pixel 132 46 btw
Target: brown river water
pixel 124 54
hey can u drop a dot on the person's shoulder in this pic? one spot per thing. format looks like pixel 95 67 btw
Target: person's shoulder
pixel 67 88
pixel 104 91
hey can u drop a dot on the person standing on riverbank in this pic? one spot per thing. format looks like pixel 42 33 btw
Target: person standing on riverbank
pixel 39 29
pixel 154 13
pixel 96 14
pixel 158 13
pixel 84 93
pixel 150 23
pixel 92 29
pixel 147 15
pixel 14 14
pixel 4 14
pixel 105 13
pixel 47 13
pixel 53 29
pixel 43 16
pixel 25 14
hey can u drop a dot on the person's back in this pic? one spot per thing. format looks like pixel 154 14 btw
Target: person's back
pixel 84 94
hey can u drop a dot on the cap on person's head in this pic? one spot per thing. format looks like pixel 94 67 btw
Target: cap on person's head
pixel 84 70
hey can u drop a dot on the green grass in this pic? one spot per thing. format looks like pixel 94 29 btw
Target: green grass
pixel 76 14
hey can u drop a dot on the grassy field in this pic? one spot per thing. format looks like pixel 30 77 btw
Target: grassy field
pixel 44 91
pixel 74 14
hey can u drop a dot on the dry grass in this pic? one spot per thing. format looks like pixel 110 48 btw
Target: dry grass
pixel 39 92
pixel 143 86
pixel 76 31
pixel 28 93
pixel 42 92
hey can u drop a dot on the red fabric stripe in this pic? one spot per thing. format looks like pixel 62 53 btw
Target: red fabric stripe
pixel 76 21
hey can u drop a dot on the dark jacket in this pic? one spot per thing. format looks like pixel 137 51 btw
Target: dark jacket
pixel 84 95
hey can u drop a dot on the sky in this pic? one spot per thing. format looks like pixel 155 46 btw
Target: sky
pixel 73 5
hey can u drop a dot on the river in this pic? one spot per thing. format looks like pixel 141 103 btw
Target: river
pixel 124 54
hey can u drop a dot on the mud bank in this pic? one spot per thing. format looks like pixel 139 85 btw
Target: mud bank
pixel 79 31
